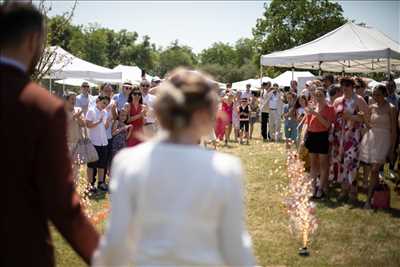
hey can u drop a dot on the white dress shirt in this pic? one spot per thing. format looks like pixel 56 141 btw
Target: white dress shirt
pixel 85 102
pixel 175 205
pixel 97 134
pixel 273 101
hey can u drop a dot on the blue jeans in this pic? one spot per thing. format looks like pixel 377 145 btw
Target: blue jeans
pixel 291 130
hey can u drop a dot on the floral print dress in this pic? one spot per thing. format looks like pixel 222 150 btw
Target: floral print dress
pixel 345 142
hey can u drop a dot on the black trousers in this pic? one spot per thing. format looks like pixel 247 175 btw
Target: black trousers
pixel 103 179
pixel 264 125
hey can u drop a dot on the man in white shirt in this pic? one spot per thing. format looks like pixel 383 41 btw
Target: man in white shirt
pixel 275 105
pixel 148 100
pixel 264 107
pixel 96 123
pixel 84 98
pixel 246 94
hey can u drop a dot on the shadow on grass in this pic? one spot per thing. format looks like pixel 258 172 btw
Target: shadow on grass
pixel 332 202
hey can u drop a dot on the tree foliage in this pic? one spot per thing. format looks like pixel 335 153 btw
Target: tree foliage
pixel 284 24
pixel 176 55
pixel 288 23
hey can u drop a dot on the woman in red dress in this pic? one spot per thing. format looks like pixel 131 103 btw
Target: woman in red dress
pixel 136 117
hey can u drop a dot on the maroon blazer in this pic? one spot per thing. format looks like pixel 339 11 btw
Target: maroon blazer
pixel 36 176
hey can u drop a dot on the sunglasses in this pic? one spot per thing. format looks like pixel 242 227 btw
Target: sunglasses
pixel 127 87
pixel 145 85
pixel 137 94
pixel 85 86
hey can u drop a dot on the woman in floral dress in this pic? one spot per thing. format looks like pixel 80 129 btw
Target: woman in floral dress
pixel 346 137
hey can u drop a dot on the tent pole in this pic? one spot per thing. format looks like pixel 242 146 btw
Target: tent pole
pixel 388 66
pixel 319 68
pixel 50 84
pixel 292 72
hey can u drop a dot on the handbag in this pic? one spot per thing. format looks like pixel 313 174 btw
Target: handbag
pixel 84 151
pixel 381 196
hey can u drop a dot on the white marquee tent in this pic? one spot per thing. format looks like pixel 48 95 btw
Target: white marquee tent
pixel 241 85
pixel 349 48
pixel 255 83
pixel 131 73
pixel 67 65
pixel 74 82
pixel 285 78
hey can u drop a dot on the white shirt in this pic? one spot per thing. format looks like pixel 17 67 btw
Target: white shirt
pixel 177 205
pixel 245 94
pixel 85 102
pixel 149 100
pixel 97 134
pixel 273 101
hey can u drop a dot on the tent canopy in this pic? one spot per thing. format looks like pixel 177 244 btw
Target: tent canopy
pixel 349 48
pixel 255 83
pixel 74 82
pixel 131 73
pixel 285 78
pixel 67 65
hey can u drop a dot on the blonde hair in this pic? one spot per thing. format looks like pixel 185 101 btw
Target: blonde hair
pixel 180 95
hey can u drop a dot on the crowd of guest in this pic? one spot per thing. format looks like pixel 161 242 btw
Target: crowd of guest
pixel 340 126
pixel 336 123
pixel 111 122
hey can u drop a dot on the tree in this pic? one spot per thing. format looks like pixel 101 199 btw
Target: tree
pixel 48 57
pixel 174 56
pixel 245 51
pixel 288 23
pixel 219 53
pixel 96 45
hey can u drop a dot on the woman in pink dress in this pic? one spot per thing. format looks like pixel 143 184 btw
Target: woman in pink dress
pixel 227 108
pixel 220 122
pixel 379 142
pixel 136 117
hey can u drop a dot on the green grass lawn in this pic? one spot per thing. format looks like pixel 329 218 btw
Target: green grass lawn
pixel 347 235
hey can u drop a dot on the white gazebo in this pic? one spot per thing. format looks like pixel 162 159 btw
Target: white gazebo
pixel 285 78
pixel 241 85
pixel 131 73
pixel 65 65
pixel 350 48
pixel 74 82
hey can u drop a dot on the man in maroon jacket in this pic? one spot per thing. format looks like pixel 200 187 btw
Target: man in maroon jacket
pixel 35 167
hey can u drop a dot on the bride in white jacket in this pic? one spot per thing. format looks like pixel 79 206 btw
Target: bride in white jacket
pixel 174 203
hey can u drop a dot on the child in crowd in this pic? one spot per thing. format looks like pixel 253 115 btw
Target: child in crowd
pixel 98 136
pixel 244 118
pixel 254 111
pixel 121 132
pixel 290 119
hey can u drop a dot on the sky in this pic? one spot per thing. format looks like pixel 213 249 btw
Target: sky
pixel 199 24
